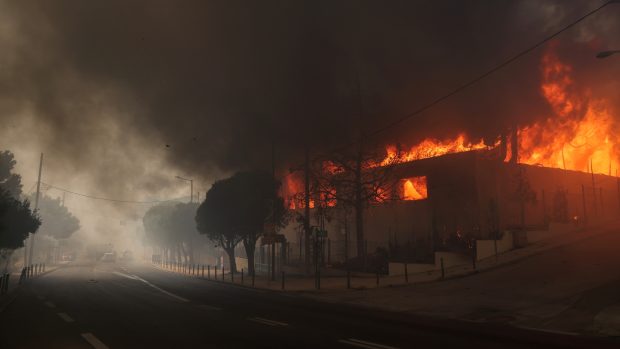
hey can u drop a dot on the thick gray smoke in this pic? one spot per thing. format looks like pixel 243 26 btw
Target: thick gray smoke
pixel 118 90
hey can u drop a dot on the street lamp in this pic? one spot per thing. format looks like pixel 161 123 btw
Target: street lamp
pixel 191 187
pixel 605 54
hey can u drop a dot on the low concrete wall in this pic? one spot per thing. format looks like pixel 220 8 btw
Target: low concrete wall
pixel 450 259
pixel 486 248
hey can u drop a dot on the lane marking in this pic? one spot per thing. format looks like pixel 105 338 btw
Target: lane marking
pixel 365 344
pixel 209 307
pixel 123 275
pixel 161 290
pixel 50 304
pixel 65 317
pixel 94 341
pixel 267 321
pixel 548 331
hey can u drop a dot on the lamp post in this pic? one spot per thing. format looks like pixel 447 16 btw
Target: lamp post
pixel 605 54
pixel 191 187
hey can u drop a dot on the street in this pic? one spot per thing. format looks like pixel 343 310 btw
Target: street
pixel 136 306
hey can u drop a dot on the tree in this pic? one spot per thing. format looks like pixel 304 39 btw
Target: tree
pixel 183 228
pixel 156 223
pixel 237 208
pixel 10 182
pixel 57 221
pixel 355 179
pixel 16 221
pixel 218 217
pixel 258 204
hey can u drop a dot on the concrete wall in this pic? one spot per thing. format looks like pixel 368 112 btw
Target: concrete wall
pixel 486 248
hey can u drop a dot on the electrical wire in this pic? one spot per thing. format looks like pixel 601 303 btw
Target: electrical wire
pixel 113 200
pixel 475 80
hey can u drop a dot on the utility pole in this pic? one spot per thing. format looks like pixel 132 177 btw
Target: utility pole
pixel 307 209
pixel 273 210
pixel 36 207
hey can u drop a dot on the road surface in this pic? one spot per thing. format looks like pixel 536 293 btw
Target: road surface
pixel 138 306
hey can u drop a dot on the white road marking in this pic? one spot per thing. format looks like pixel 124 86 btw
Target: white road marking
pixel 94 341
pixel 65 317
pixel 364 344
pixel 549 331
pixel 123 275
pixel 50 304
pixel 161 290
pixel 267 321
pixel 209 307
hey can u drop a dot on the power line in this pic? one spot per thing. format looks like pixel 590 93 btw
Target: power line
pixel 477 79
pixel 109 199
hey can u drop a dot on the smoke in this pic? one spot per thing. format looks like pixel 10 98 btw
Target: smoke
pixel 124 96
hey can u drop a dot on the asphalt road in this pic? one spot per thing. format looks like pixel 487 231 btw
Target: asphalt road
pixel 139 306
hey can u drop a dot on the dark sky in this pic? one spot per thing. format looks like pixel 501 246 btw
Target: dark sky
pixel 105 85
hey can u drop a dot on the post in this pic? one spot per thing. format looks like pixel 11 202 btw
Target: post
pixel 253 276
pixel 209 271
pixel 600 197
pixel 593 190
pixel 232 276
pixel 215 270
pixel 406 274
pixel 203 271
pixel 36 206
pixel 443 272
pixel 329 251
pixel 583 197
pixel 242 276
pixel 223 272
pixel 282 280
pixel 348 278
pixel 474 254
pixel 544 204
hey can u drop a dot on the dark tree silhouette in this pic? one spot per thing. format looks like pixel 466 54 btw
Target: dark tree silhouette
pixel 237 209
pixel 16 222
pixel 10 182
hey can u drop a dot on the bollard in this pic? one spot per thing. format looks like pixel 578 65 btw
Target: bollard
pixel 215 271
pixel 348 279
pixel 203 271
pixel 406 274
pixel 209 272
pixel 443 272
pixel 253 275
pixel 242 276
pixel 283 281
pixel 223 272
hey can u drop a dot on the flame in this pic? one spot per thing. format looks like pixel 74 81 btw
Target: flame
pixel 429 148
pixel 577 136
pixel 414 188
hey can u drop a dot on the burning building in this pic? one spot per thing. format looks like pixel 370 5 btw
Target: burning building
pixel 562 169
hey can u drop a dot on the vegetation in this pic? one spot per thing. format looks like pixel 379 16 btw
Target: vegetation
pixel 171 227
pixel 237 209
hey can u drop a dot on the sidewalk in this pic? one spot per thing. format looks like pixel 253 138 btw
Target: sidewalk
pixel 14 285
pixel 337 280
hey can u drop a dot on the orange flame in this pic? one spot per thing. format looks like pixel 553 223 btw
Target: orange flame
pixel 415 188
